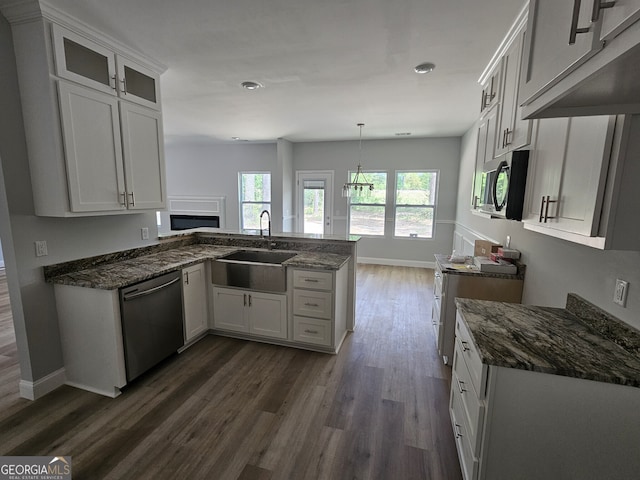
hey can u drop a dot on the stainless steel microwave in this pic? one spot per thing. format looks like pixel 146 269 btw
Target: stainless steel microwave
pixel 503 186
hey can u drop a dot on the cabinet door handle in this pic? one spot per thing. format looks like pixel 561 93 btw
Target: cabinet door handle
pixel 249 300
pixel 575 30
pixel 311 305
pixel 124 85
pixel 124 199
pixel 133 199
pixel 114 85
pixel 546 209
pixel 245 299
pixel 464 346
pixel 311 331
pixel 507 132
pixel 186 278
pixel 541 210
pixel 458 433
pixel 600 5
pixel 482 101
pixel 461 386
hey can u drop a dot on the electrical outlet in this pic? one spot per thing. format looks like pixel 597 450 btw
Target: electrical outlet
pixel 41 248
pixel 620 293
pixel 145 233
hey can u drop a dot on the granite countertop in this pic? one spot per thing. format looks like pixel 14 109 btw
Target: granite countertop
pixel 551 340
pixel 118 274
pixel 462 269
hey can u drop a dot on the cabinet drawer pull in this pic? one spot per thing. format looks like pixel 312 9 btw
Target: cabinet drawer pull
pixel 575 30
pixel 461 386
pixel 546 209
pixel 311 331
pixel 312 280
pixel 599 5
pixel 458 433
pixel 465 348
pixel 311 305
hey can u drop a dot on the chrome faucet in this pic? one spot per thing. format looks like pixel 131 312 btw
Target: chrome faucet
pixel 261 232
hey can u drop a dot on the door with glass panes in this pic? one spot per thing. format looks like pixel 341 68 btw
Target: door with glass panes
pixel 314 198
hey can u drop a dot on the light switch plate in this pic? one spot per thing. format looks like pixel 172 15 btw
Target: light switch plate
pixel 145 233
pixel 620 293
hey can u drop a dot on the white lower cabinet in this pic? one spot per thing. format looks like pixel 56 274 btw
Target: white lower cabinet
pixel 258 313
pixel 319 307
pixel 194 291
pixel 510 423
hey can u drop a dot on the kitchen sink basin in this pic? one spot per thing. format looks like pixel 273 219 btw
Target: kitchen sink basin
pixel 254 270
pixel 252 256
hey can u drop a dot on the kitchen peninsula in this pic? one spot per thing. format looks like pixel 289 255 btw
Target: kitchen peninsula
pixel 314 311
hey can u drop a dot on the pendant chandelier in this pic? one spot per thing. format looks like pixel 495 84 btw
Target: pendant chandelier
pixel 359 182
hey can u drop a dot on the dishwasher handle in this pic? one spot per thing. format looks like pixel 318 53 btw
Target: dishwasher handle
pixel 131 296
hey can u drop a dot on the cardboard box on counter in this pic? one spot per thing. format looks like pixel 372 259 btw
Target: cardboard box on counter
pixel 484 248
pixel 508 253
pixel 485 264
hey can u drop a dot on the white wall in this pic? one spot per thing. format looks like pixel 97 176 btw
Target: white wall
pixel 202 168
pixel 554 267
pixel 33 303
pixel 389 155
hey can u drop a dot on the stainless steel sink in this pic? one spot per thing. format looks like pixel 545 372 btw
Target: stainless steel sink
pixel 255 270
pixel 253 256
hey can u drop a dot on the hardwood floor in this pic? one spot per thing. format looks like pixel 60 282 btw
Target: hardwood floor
pixel 230 409
pixel 9 369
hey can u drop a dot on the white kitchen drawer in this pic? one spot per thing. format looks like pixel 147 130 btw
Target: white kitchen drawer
pixel 317 280
pixel 477 370
pixel 468 461
pixel 310 303
pixel 310 330
pixel 473 408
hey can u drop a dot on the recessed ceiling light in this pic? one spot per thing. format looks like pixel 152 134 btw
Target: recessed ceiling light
pixel 238 139
pixel 403 134
pixel 424 67
pixel 251 85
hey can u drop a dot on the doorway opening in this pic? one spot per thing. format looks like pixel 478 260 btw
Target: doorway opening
pixel 314 202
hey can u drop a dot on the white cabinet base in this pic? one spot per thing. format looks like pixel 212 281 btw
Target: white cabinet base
pixel 91 335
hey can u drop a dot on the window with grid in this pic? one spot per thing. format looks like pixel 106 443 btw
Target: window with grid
pixel 415 204
pixel 367 208
pixel 255 196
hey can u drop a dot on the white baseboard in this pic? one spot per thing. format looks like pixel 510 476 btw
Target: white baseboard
pixel 42 386
pixel 395 262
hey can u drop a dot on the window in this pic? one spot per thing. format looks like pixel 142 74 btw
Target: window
pixel 367 208
pixel 415 204
pixel 255 196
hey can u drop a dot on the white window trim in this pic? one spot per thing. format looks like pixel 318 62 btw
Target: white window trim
pixel 241 202
pixel 434 206
pixel 385 205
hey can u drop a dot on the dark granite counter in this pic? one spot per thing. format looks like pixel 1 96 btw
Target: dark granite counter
pixel 127 271
pixel 551 340
pixel 470 270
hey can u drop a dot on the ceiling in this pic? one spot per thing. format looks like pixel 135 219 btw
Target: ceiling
pixel 326 65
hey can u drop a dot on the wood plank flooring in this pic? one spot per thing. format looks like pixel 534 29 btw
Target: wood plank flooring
pixel 230 409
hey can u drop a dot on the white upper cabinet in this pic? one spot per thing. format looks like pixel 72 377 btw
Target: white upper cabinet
pixel 581 58
pixel 142 145
pixel 91 136
pixel 581 181
pixel 616 16
pixel 561 37
pixel 93 120
pixel 81 60
pixel 513 132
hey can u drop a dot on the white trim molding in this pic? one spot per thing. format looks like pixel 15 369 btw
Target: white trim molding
pixel 42 386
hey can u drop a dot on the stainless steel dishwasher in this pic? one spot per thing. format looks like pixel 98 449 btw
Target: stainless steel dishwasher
pixel 152 322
